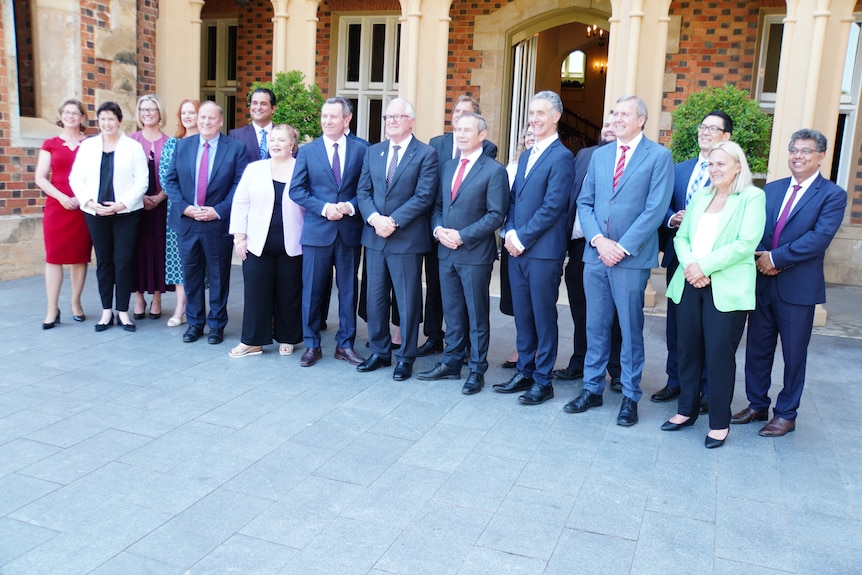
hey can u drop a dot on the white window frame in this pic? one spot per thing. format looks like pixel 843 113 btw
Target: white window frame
pixel 221 88
pixel 766 99
pixel 848 154
pixel 364 90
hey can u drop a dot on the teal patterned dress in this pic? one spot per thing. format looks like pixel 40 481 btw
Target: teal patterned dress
pixel 173 264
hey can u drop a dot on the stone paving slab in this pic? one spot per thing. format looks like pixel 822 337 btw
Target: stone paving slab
pixel 137 454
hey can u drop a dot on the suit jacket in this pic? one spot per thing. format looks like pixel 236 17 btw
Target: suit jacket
pixel 681 175
pixel 228 166
pixel 131 175
pixel 408 200
pixel 248 137
pixel 582 164
pixel 445 143
pixel 631 213
pixel 539 202
pixel 477 210
pixel 730 264
pixel 807 233
pixel 253 203
pixel 313 186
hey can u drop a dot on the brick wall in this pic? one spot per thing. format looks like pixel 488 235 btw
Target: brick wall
pixel 717 46
pixel 254 52
pixel 148 13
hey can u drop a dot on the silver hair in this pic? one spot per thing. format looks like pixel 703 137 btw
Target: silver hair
pixel 743 178
pixel 551 97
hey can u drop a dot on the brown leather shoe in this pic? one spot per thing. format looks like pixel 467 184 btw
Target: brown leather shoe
pixel 777 427
pixel 349 355
pixel 310 357
pixel 748 415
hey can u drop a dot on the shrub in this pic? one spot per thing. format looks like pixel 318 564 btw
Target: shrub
pixel 752 128
pixel 298 104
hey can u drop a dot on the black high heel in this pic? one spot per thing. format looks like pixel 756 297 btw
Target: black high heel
pixel 141 315
pixel 712 442
pixel 79 318
pixel 671 426
pixel 53 323
pixel 103 326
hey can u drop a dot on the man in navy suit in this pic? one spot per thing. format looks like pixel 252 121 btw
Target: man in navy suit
pixel 255 135
pixel 396 190
pixel 537 234
pixel 324 183
pixel 446 148
pixel 689 176
pixel 470 207
pixel 200 182
pixel 574 276
pixel 803 214
pixel 621 206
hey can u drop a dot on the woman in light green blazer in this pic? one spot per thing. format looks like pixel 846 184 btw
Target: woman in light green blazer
pixel 714 286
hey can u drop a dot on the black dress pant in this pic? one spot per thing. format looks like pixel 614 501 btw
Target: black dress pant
pixel 707 338
pixel 272 298
pixel 115 239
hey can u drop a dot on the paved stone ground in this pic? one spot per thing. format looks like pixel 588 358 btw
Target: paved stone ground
pixel 135 453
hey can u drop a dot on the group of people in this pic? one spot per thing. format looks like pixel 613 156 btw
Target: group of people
pixel 294 215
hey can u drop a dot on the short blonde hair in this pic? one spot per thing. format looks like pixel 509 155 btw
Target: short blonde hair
pixel 743 178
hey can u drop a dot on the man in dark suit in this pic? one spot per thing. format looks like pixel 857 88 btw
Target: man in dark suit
pixel 803 214
pixel 470 207
pixel 537 234
pixel 255 135
pixel 574 276
pixel 396 190
pixel 446 148
pixel 200 182
pixel 689 176
pixel 621 206
pixel 324 183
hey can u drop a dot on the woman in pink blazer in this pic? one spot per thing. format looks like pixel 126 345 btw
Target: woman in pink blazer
pixel 267 226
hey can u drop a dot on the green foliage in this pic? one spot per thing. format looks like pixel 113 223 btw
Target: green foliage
pixel 752 128
pixel 298 104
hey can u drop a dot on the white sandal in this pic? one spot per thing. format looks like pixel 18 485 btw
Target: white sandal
pixel 177 321
pixel 286 349
pixel 243 350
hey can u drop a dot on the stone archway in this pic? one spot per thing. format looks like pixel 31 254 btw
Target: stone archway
pixel 496 33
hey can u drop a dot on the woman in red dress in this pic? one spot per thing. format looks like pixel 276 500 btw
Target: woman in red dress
pixel 67 240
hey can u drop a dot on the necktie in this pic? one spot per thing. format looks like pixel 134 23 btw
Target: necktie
pixel 336 165
pixel 697 183
pixel 534 155
pixel 392 165
pixel 263 150
pixel 203 176
pixel 621 164
pixel 782 219
pixel 460 177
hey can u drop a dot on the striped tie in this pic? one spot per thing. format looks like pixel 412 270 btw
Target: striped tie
pixel 621 164
pixel 697 183
pixel 390 173
pixel 336 165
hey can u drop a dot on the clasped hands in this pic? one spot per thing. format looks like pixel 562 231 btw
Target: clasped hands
pixel 610 252
pixel 335 212
pixel 449 238
pixel 201 214
pixel 764 264
pixel 694 276
pixel 383 225
pixel 107 208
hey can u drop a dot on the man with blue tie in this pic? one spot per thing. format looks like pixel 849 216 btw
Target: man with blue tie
pixel 324 183
pixel 621 206
pixel 469 208
pixel 803 214
pixel 689 177
pixel 200 182
pixel 396 190
pixel 536 237
pixel 255 136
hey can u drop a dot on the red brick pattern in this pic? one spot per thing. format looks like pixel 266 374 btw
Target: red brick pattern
pixel 148 13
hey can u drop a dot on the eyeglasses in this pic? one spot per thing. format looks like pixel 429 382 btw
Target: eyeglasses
pixel 72 113
pixel 801 151
pixel 148 110
pixel 713 130
pixel 395 117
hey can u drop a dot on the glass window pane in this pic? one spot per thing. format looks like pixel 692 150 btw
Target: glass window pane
pixel 211 53
pixel 354 38
pixel 397 52
pixel 354 102
pixel 375 120
pixel 378 54
pixel 773 58
pixel 231 53
pixel 850 60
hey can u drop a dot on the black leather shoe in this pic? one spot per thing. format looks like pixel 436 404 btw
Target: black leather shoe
pixel 53 323
pixel 137 315
pixel 78 318
pixel 104 326
pixel 403 370
pixel 712 443
pixel 509 364
pixel 430 347
pixel 519 382
pixel 584 401
pixel 671 426
pixel 192 334
pixel 538 394
pixel 372 363
pixel 628 412
pixel 664 394
pixel 616 384
pixel 569 373
pixel 215 337
pixel 440 371
pixel 474 384
pixel 130 327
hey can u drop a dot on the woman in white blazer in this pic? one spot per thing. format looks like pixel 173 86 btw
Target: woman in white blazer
pixel 267 227
pixel 109 179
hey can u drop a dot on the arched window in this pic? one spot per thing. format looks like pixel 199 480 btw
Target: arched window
pixel 572 71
